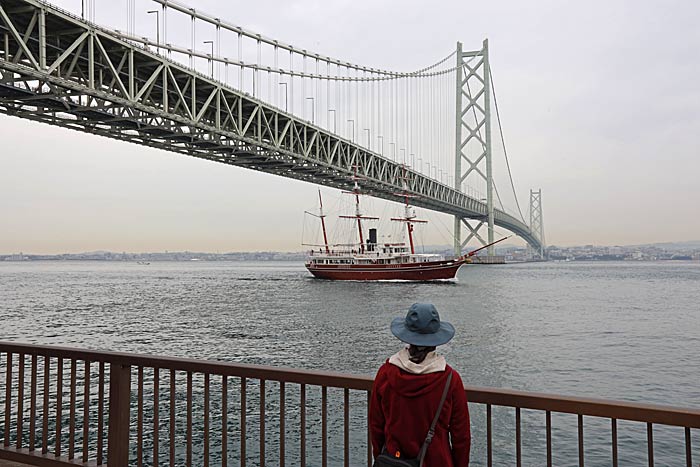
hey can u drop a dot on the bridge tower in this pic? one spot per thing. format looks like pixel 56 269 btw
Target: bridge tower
pixel 473 140
pixel 536 223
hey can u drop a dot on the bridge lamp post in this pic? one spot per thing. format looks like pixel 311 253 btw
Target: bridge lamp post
pixel 334 119
pixel 211 57
pixel 353 129
pixel 369 142
pixel 382 145
pixel 285 95
pixel 404 155
pixel 157 27
pixel 313 111
pixel 393 151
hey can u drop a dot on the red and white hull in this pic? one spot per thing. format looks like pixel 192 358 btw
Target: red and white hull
pixel 411 271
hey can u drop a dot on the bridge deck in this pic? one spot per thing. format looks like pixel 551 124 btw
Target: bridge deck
pixel 58 69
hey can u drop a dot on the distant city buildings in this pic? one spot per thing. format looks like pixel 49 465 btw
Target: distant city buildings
pixel 166 256
pixel 659 252
pixel 675 252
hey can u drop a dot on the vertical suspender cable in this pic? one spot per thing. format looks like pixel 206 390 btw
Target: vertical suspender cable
pixel 291 82
pixel 192 35
pixel 278 76
pixel 240 60
pixel 303 86
pixel 328 96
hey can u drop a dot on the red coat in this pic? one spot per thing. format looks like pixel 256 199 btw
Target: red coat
pixel 402 407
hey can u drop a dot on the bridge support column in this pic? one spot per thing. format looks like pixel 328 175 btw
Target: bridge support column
pixel 536 222
pixel 458 149
pixel 473 143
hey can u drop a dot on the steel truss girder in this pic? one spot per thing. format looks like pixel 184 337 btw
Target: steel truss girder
pixel 97 83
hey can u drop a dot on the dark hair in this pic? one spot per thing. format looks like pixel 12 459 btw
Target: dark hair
pixel 418 353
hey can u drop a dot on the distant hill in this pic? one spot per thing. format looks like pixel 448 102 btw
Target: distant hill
pixel 672 246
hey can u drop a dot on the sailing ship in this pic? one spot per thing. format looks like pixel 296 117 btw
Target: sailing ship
pixel 370 260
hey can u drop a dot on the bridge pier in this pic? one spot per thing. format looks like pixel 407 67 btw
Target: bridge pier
pixel 473 146
pixel 473 83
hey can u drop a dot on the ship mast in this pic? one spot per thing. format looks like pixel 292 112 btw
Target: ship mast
pixel 323 221
pixel 358 214
pixel 409 217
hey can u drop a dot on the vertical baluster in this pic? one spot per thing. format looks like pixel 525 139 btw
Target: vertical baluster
pixel 549 438
pixel 369 434
pixel 156 413
pixel 71 410
pixel 139 417
pixel 206 419
pixel 688 449
pixel 3 434
pixel 20 400
pixel 243 421
pixel 580 440
pixel 518 448
pixel 613 429
pixel 303 425
pixel 45 407
pixel 262 423
pixel 8 399
pixel 59 404
pixel 282 423
pixel 86 411
pixel 100 411
pixel 224 421
pixel 32 404
pixel 189 419
pixel 172 418
pixel 650 444
pixel 324 426
pixel 489 437
pixel 346 427
pixel 119 414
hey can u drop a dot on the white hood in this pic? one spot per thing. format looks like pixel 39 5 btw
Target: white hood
pixel 433 362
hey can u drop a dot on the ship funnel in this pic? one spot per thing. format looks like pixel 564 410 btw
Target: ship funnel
pixel 372 240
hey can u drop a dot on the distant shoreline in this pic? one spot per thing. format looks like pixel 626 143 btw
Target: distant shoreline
pixel 669 251
pixel 301 259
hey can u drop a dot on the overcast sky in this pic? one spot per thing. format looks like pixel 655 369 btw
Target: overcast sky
pixel 600 103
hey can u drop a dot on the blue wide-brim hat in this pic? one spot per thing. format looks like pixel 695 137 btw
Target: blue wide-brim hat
pixel 422 326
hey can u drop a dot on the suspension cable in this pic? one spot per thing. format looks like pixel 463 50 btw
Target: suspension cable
pixel 503 142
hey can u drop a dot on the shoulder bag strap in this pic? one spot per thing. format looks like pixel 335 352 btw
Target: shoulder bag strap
pixel 431 432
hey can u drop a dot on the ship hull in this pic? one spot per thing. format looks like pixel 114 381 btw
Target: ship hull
pixel 428 271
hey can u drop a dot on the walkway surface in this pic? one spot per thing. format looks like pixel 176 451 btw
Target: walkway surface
pixel 11 464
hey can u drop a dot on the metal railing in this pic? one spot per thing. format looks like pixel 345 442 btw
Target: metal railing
pixel 65 406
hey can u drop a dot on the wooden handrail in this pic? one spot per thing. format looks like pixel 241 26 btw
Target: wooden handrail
pixel 621 410
pixel 310 377
pixel 594 407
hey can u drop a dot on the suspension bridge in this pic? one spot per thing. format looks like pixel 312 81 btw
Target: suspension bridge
pixel 236 97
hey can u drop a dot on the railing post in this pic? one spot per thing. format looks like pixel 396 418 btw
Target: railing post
pixel 119 401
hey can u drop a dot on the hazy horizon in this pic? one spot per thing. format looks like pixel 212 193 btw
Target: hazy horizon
pixel 600 105
pixel 301 250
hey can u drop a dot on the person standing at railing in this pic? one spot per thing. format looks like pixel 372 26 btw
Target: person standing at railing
pixel 415 393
